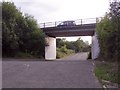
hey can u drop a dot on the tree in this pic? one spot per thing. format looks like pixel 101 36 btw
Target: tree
pixel 77 46
pixel 115 8
pixel 20 32
pixel 115 19
pixel 9 38
pixel 60 42
pixel 108 30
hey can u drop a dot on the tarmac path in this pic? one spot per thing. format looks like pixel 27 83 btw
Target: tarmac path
pixel 65 73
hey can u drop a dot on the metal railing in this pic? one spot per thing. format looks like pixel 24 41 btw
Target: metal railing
pixel 77 22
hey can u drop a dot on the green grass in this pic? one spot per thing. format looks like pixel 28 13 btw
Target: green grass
pixel 61 54
pixel 23 55
pixel 107 71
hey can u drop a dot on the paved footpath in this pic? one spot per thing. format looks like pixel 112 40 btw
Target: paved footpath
pixel 49 74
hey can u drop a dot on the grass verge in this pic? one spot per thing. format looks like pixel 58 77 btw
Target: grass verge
pixel 63 53
pixel 107 72
pixel 27 55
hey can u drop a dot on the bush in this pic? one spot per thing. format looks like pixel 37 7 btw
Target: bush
pixel 108 31
pixel 20 33
pixel 23 55
pixel 62 52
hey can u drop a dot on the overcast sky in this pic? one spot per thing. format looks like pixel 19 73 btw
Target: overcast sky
pixel 60 10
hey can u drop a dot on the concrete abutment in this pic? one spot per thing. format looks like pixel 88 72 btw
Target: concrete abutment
pixel 95 47
pixel 50 48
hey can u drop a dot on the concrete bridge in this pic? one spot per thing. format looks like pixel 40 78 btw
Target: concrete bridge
pixel 80 27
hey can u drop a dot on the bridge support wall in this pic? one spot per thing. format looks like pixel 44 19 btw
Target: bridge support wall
pixel 95 47
pixel 50 48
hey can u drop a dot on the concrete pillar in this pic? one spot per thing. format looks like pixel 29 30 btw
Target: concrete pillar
pixel 95 47
pixel 50 48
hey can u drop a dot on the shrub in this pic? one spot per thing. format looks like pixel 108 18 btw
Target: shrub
pixel 23 55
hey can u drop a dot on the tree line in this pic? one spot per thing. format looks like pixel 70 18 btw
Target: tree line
pixel 65 47
pixel 78 46
pixel 108 31
pixel 20 33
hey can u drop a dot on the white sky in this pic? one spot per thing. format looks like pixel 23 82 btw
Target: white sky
pixel 60 10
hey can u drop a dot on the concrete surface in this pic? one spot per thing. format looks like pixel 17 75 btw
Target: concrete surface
pixel 49 74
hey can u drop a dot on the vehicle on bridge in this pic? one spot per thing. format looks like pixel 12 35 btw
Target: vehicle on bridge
pixel 67 23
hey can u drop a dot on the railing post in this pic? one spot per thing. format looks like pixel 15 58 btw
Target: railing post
pixel 44 25
pixel 55 24
pixel 97 20
pixel 81 21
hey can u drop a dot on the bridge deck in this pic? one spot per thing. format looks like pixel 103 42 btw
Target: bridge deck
pixel 77 30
